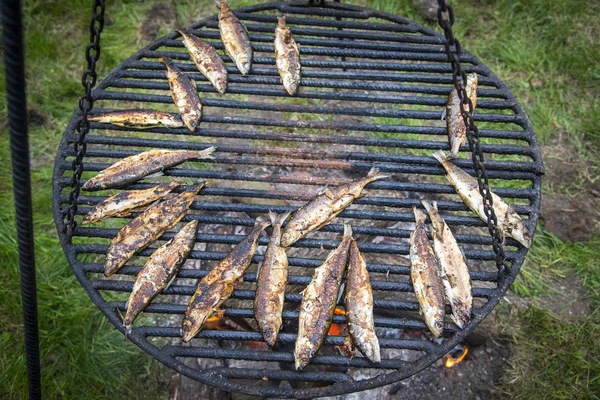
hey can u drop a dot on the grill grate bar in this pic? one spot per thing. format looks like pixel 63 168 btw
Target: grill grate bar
pixel 285 375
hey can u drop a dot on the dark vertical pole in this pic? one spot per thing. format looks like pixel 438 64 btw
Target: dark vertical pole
pixel 12 41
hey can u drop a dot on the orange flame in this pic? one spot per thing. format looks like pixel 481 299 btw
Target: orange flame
pixel 451 361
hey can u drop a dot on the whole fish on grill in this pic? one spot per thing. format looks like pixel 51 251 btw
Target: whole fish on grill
pixel 424 273
pixel 453 267
pixel 235 38
pixel 509 222
pixel 142 119
pixel 217 286
pixel 159 271
pixel 359 306
pixel 457 131
pixel 270 289
pixel 318 302
pixel 207 60
pixel 325 207
pixel 287 57
pixel 122 204
pixel 147 227
pixel 184 94
pixel 133 168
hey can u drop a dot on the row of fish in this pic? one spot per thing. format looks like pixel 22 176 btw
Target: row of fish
pixel 183 89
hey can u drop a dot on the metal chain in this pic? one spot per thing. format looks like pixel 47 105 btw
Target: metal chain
pixel 86 102
pixel 459 77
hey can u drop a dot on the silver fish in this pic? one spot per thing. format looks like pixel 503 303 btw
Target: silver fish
pixel 287 57
pixel 184 94
pixel 457 131
pixel 207 60
pixel 142 119
pixel 359 306
pixel 425 276
pixel 318 302
pixel 235 38
pixel 453 267
pixel 509 222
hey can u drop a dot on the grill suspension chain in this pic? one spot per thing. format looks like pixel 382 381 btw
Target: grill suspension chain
pixel 445 16
pixel 86 102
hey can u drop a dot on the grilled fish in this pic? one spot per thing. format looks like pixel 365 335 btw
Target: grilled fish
pixel 318 302
pixel 217 286
pixel 147 227
pixel 124 203
pixel 159 271
pixel 325 207
pixel 235 38
pixel 359 305
pixel 207 60
pixel 287 57
pixel 453 267
pixel 142 119
pixel 270 291
pixel 457 131
pixel 509 222
pixel 425 276
pixel 134 168
pixel 184 94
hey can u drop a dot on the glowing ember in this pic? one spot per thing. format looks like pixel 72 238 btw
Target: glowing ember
pixel 452 361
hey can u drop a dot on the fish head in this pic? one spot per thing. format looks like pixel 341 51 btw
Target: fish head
pixel 517 229
pixel 243 63
pixel 290 237
pixel 190 121
pixel 303 353
pixel 291 84
pixel 221 84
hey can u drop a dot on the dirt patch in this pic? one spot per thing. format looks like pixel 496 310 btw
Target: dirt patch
pixel 161 14
pixel 427 8
pixel 570 211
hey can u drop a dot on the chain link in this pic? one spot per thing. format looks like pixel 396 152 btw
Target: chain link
pixel 445 16
pixel 86 102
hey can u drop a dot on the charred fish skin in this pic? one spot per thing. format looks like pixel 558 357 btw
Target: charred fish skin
pixel 217 286
pixel 359 306
pixel 509 222
pixel 327 205
pixel 159 270
pixel 235 38
pixel 425 276
pixel 272 278
pixel 133 168
pixel 453 267
pixel 319 301
pixel 457 131
pixel 147 227
pixel 287 57
pixel 124 203
pixel 207 60
pixel 141 119
pixel 184 94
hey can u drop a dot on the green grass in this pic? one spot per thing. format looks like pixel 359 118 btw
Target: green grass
pixel 546 51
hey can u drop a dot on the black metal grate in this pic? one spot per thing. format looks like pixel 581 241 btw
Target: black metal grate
pixel 379 106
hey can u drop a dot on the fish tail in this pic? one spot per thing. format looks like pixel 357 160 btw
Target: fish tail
pixel 429 205
pixel 206 153
pixel 440 156
pixel 262 220
pixel 419 215
pixel 278 219
pixel 374 174
pixel 281 21
pixel 182 31
pixel 347 230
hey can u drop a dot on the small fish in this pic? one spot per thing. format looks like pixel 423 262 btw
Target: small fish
pixel 457 131
pixel 142 119
pixel 318 302
pixel 270 289
pixel 122 204
pixel 453 267
pixel 359 306
pixel 147 227
pixel 217 286
pixel 509 222
pixel 235 38
pixel 207 60
pixel 325 207
pixel 184 94
pixel 287 57
pixel 159 271
pixel 425 276
pixel 133 168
